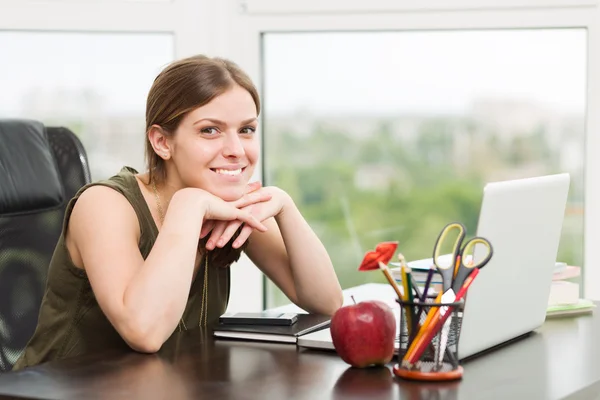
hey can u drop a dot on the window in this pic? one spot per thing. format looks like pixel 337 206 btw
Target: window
pixel 390 135
pixel 92 83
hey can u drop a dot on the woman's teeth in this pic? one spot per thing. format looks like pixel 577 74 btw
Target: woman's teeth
pixel 231 172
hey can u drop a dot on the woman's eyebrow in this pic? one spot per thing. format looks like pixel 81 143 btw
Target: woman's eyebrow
pixel 249 121
pixel 219 122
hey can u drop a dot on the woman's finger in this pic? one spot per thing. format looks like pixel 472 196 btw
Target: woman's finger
pixel 252 198
pixel 217 231
pixel 228 233
pixel 252 186
pixel 242 237
pixel 251 220
pixel 206 228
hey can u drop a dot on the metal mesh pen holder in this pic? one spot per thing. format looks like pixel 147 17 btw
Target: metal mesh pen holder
pixel 438 358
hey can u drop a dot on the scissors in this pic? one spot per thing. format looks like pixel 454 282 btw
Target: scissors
pixel 455 271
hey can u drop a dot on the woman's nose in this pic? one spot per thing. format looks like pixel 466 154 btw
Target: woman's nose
pixel 233 146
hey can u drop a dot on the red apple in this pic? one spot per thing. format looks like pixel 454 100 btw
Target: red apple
pixel 363 334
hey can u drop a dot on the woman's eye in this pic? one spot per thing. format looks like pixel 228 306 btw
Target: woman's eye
pixel 210 130
pixel 248 130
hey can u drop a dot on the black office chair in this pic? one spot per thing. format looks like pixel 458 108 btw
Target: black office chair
pixel 40 170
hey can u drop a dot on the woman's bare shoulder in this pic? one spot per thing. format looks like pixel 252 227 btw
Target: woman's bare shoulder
pixel 101 201
pixel 101 217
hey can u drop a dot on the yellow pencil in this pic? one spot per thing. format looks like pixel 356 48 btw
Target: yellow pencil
pixel 405 298
pixel 390 279
pixel 456 266
pixel 433 311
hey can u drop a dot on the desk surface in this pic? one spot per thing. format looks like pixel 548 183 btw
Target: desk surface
pixel 559 360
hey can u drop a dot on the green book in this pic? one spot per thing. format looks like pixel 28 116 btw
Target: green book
pixel 583 306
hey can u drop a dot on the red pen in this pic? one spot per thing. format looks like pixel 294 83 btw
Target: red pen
pixel 463 290
pixel 424 342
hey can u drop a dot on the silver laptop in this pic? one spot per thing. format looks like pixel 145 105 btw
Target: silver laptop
pixel 523 220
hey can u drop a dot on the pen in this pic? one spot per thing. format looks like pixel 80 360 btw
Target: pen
pixel 430 273
pixel 463 290
pixel 423 296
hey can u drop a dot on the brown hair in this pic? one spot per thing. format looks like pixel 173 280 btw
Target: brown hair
pixel 179 89
pixel 182 87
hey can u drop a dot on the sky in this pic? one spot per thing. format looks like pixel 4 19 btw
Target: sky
pixel 344 72
pixel 119 66
pixel 429 71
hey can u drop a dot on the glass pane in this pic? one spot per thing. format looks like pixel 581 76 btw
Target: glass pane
pixel 92 83
pixel 391 135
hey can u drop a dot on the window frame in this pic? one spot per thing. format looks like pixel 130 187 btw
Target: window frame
pixel 235 28
pixel 192 32
pixel 359 6
pixel 254 19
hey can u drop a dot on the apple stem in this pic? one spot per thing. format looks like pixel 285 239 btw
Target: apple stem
pixel 352 297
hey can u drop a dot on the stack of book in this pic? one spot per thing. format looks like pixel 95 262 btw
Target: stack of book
pixel 565 294
pixel 306 323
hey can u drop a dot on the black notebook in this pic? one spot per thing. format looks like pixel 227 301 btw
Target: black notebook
pixel 306 323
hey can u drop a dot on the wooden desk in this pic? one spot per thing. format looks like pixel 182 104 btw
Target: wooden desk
pixel 561 360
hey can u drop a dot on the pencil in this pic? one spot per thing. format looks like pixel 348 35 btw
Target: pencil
pixel 407 298
pixel 413 282
pixel 424 337
pixel 390 279
pixel 456 266
pixel 410 299
pixel 433 312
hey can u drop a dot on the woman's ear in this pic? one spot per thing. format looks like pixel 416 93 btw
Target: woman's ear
pixel 158 139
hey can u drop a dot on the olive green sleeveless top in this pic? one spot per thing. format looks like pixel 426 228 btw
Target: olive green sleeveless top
pixel 70 321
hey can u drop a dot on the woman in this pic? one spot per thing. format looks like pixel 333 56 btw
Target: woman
pixel 144 255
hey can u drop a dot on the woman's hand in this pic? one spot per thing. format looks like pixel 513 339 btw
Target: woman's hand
pixel 248 198
pixel 218 210
pixel 223 231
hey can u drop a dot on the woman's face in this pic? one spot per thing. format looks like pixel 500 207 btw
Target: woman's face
pixel 215 147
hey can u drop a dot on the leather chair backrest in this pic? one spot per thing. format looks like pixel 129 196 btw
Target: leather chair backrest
pixel 40 170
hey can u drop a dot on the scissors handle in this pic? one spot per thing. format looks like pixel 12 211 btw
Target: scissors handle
pixel 446 270
pixel 465 269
